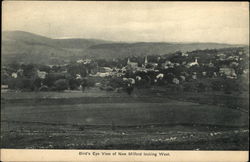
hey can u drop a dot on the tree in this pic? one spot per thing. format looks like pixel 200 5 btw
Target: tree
pixel 216 85
pixel 201 87
pixel 74 69
pixel 37 82
pixel 169 77
pixel 189 87
pixel 24 84
pixel 52 77
pixel 116 83
pixel 61 84
pixel 129 89
pixel 44 68
pixel 29 70
pixel 74 83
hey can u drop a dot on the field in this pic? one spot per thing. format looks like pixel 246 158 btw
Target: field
pixel 109 120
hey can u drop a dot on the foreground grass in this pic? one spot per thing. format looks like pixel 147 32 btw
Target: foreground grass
pixel 172 112
pixel 88 121
pixel 40 136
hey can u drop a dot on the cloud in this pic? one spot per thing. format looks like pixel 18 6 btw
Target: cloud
pixel 225 22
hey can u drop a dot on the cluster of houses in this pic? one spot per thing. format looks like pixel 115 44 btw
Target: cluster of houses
pixel 224 70
pixel 38 73
pixel 227 70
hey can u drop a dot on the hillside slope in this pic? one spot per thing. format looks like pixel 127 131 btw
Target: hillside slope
pixel 32 48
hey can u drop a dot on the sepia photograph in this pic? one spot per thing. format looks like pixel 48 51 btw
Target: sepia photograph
pixel 125 75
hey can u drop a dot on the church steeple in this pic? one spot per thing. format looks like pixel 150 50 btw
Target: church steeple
pixel 146 60
pixel 196 60
pixel 128 61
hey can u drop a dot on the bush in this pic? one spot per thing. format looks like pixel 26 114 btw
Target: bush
pixel 90 82
pixel 23 84
pixel 201 87
pixel 143 83
pixel 43 88
pixel 116 83
pixel 87 83
pixel 74 83
pixel 216 85
pixel 61 84
pixel 129 89
pixel 51 78
pixel 189 87
pixel 229 86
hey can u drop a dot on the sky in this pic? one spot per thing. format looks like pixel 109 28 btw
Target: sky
pixel 222 22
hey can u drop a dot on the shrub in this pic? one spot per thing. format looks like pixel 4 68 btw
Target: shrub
pixel 189 87
pixel 61 84
pixel 51 78
pixel 43 88
pixel 216 85
pixel 74 83
pixel 201 87
pixel 24 84
pixel 116 82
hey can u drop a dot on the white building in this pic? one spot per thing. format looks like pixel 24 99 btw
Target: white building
pixel 14 75
pixel 41 74
pixel 190 64
pixel 84 61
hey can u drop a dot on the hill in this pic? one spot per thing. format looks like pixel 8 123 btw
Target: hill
pixel 27 47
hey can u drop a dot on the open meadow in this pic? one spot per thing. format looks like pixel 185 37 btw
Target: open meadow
pixel 109 120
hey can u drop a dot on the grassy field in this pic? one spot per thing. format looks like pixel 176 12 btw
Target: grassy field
pixel 105 120
pixel 172 112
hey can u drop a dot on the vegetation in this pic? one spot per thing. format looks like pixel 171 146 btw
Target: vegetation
pixel 178 76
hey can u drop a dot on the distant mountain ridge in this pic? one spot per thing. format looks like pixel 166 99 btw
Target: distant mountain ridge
pixel 32 48
pixel 63 43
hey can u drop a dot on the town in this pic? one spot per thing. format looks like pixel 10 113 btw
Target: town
pixel 224 70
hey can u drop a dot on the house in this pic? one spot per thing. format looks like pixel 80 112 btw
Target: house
pixel 183 78
pixel 84 61
pixel 20 72
pixel 106 74
pixel 105 69
pixel 131 65
pixel 41 74
pixel 78 76
pixel 234 64
pixel 221 56
pixel 233 58
pixel 241 52
pixel 160 76
pixel 190 64
pixel 227 71
pixel 184 63
pixel 129 80
pixel 153 65
pixel 215 74
pixel 167 64
pixel 184 54
pixel 3 86
pixel 246 71
pixel 210 64
pixel 14 75
pixel 176 81
pixel 194 76
pixel 204 73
